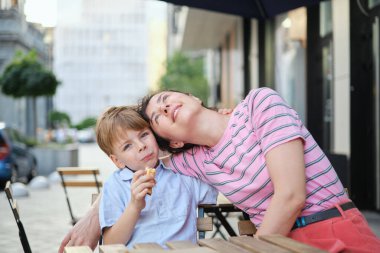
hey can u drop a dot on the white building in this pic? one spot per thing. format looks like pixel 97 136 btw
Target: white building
pixel 101 55
pixel 16 34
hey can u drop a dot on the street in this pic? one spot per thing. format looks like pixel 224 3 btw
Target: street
pixel 45 214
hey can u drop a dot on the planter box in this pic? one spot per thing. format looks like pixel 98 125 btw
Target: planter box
pixel 49 158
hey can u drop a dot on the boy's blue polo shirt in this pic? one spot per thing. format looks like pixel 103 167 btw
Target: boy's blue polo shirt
pixel 170 213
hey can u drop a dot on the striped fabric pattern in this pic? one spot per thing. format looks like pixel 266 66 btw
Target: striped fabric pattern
pixel 236 165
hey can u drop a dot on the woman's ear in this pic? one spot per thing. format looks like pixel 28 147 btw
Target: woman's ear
pixel 117 162
pixel 176 144
pixel 196 98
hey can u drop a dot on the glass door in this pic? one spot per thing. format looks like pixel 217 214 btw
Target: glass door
pixel 328 95
pixel 326 35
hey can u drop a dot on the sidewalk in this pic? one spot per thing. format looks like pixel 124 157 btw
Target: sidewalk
pixel 46 217
pixel 45 214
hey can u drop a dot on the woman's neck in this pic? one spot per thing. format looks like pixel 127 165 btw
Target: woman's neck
pixel 210 128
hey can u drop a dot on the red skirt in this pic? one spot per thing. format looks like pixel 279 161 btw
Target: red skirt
pixel 348 233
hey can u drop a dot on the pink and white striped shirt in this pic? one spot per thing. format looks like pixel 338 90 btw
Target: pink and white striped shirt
pixel 236 165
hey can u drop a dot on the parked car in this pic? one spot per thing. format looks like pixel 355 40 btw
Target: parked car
pixel 17 163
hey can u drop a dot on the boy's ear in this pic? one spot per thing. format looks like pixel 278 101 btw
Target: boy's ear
pixel 117 162
pixel 176 144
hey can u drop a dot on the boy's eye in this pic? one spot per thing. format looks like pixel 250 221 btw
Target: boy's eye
pixel 127 146
pixel 164 98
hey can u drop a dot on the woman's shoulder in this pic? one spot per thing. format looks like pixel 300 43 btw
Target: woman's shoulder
pixel 261 97
pixel 261 92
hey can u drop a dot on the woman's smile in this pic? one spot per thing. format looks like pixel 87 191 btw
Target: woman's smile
pixel 175 112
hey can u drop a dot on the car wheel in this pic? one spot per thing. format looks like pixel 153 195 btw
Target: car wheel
pixel 33 171
pixel 2 184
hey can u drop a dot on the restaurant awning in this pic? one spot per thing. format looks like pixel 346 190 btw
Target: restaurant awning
pixel 260 9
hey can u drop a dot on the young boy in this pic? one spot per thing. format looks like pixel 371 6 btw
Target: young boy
pixel 127 214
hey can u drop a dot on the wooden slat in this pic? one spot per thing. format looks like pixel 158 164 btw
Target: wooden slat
pixel 15 209
pixel 147 245
pixel 221 246
pixel 77 171
pixel 290 244
pixel 8 190
pixel 246 227
pixel 181 245
pixel 113 248
pixel 147 251
pixel 205 224
pixel 82 184
pixel 77 249
pixel 257 246
pixel 193 250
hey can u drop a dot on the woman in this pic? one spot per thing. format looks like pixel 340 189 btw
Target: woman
pixel 263 159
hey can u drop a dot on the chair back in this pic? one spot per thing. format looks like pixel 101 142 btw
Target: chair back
pixel 70 182
pixel 14 207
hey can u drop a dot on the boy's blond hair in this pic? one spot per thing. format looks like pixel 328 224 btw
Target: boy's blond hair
pixel 113 121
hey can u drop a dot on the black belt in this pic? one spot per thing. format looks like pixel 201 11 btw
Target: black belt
pixel 320 216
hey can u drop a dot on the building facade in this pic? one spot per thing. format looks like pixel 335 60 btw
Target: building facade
pixel 323 59
pixel 18 35
pixel 103 55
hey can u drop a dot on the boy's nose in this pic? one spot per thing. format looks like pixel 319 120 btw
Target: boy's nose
pixel 142 146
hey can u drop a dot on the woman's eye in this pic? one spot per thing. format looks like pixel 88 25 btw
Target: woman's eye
pixel 144 134
pixel 127 146
pixel 164 98
pixel 156 118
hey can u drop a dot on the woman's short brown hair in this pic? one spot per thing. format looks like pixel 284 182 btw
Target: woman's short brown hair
pixel 114 120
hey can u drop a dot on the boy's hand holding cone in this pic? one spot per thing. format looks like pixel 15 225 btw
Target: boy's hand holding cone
pixel 150 171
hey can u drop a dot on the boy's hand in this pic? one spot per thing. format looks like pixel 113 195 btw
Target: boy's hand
pixel 139 188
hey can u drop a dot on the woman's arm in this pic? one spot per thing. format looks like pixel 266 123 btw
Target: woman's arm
pixel 122 230
pixel 287 171
pixel 86 231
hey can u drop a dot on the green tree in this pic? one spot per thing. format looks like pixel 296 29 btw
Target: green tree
pixel 25 76
pixel 86 123
pixel 59 119
pixel 185 74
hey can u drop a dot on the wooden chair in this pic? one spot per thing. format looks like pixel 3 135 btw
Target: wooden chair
pixel 78 171
pixel 203 223
pixel 14 207
pixel 246 227
pixel 220 211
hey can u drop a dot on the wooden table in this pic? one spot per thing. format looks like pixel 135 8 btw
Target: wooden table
pixel 242 244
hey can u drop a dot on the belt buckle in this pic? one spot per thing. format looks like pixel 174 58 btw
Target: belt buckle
pixel 301 222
